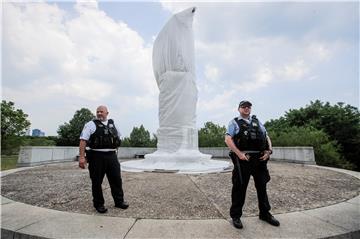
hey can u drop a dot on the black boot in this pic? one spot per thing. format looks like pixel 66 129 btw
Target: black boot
pixel 101 209
pixel 269 219
pixel 237 223
pixel 122 205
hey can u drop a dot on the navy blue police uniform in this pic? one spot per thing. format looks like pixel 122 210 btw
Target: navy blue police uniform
pixel 249 136
pixel 102 158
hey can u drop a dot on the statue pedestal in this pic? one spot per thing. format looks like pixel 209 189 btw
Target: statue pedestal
pixel 182 161
pixel 177 152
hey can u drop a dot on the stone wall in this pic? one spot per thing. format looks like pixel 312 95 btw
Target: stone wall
pixel 132 152
pixel 37 155
pixel 304 155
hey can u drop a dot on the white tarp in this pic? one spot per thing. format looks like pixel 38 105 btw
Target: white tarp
pixel 174 46
pixel 174 70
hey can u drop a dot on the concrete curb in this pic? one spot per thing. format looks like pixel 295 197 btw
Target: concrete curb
pixel 20 220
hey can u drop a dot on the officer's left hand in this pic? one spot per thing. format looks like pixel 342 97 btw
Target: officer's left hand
pixel 266 155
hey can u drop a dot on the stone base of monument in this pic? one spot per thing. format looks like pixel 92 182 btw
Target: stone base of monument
pixel 182 161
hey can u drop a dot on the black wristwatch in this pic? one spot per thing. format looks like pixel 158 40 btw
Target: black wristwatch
pixel 270 151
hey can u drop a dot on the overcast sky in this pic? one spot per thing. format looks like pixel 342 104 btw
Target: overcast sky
pixel 60 57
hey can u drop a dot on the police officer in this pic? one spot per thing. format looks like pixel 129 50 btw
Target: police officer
pixel 250 150
pixel 101 139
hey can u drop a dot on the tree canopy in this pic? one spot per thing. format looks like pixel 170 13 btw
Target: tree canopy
pixel 69 133
pixel 340 122
pixel 212 135
pixel 139 137
pixel 14 122
pixel 326 150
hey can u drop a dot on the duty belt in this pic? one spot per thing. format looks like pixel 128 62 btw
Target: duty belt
pixel 251 152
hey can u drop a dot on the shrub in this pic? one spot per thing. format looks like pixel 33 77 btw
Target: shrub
pixel 326 151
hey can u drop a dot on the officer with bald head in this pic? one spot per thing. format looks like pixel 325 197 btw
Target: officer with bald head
pixel 100 139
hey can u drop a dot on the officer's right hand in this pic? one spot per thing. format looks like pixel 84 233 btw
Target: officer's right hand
pixel 242 156
pixel 82 162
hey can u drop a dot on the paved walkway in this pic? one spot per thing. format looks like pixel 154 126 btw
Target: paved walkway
pixel 19 220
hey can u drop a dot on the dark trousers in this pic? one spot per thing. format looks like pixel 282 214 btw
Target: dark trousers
pixel 101 163
pixel 258 169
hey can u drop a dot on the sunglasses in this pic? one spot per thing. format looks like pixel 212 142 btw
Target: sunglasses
pixel 245 106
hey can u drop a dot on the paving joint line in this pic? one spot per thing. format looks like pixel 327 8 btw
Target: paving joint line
pixel 136 219
pixel 324 220
pixel 17 230
pixel 207 198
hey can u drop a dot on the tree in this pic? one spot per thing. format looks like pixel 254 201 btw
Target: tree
pixel 13 121
pixel 135 142
pixel 125 142
pixel 69 133
pixel 326 151
pixel 140 137
pixel 153 141
pixel 340 122
pixel 14 124
pixel 39 141
pixel 212 135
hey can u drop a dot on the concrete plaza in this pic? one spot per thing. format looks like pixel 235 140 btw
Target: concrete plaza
pixel 183 207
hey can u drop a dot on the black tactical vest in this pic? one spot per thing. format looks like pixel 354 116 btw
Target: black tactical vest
pixel 105 136
pixel 250 136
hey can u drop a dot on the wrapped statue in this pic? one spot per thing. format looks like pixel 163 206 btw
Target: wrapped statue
pixel 174 70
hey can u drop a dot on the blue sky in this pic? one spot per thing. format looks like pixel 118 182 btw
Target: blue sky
pixel 58 57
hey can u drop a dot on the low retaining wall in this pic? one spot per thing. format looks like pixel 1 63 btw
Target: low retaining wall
pixel 304 155
pixel 37 155
pixel 132 152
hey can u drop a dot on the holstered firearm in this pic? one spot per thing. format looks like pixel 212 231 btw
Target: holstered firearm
pixel 235 159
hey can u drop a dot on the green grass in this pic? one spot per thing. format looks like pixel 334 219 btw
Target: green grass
pixel 8 161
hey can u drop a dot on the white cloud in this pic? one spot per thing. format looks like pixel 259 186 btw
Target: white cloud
pixel 86 7
pixel 88 58
pixel 321 50
pixel 262 78
pixel 88 89
pixel 295 71
pixel 212 73
pixel 243 49
pixel 218 102
pixel 251 64
pixel 256 53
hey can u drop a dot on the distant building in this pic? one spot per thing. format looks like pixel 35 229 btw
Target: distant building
pixel 37 133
